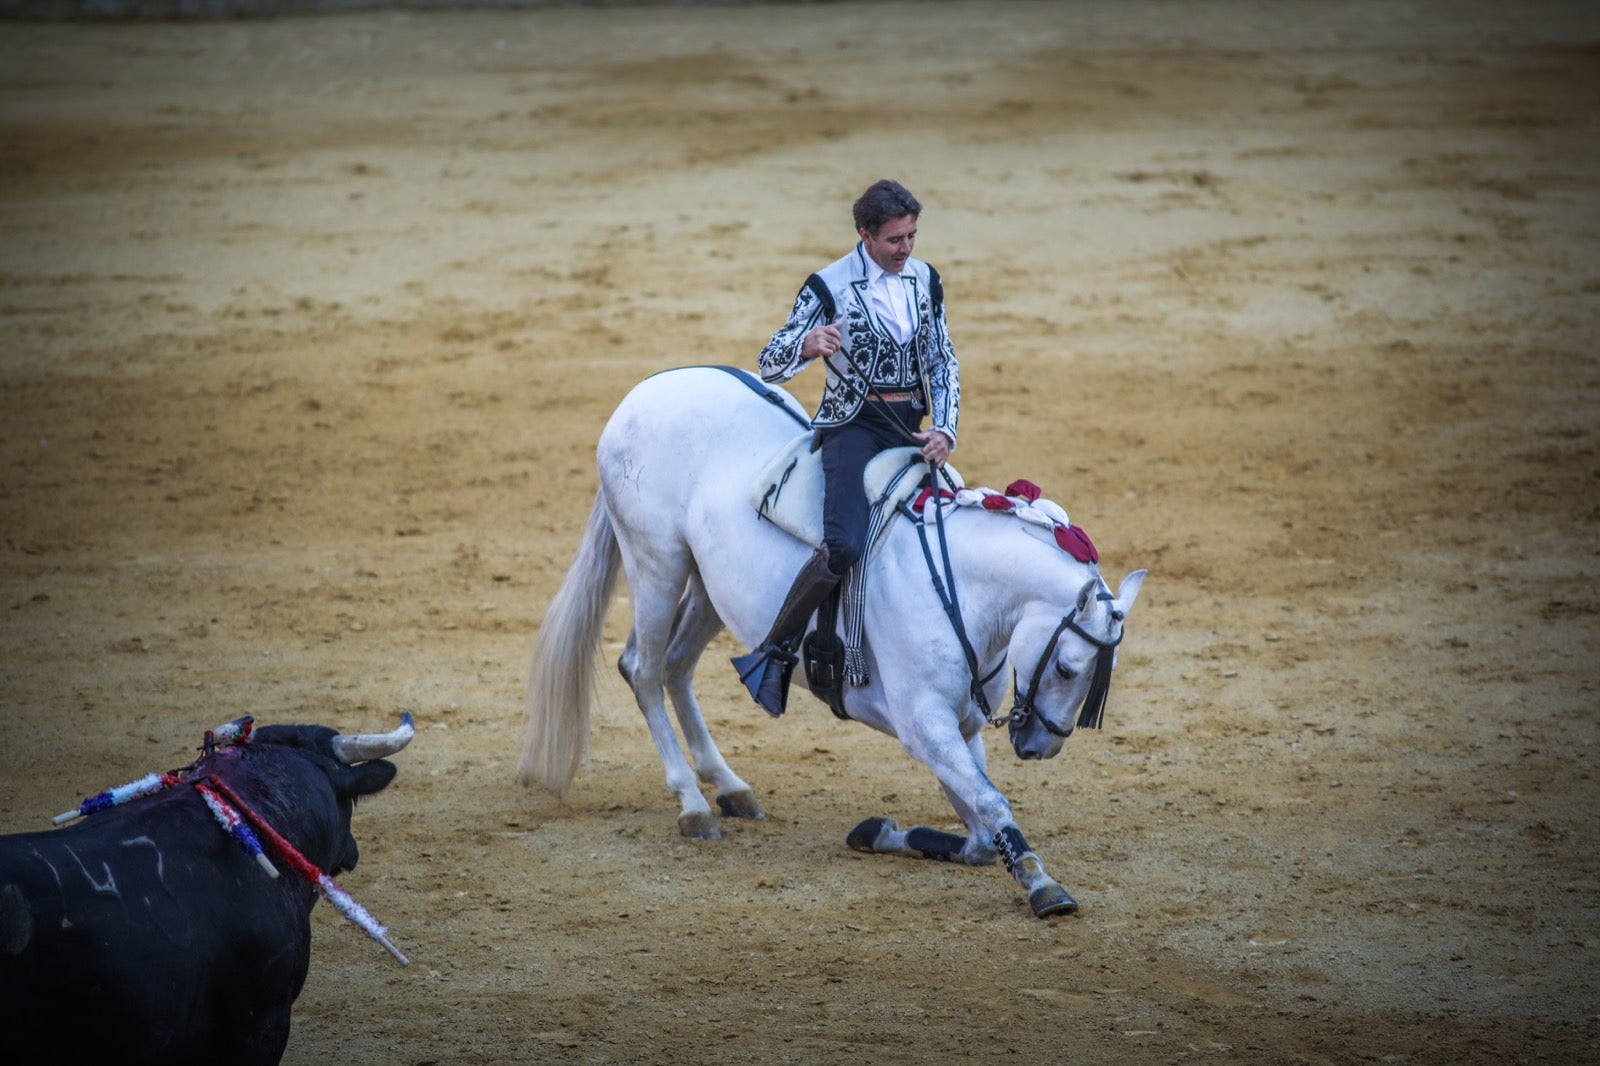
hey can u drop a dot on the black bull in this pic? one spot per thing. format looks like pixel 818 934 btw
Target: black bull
pixel 145 933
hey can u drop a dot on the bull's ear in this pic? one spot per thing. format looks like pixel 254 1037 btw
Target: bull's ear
pixel 366 778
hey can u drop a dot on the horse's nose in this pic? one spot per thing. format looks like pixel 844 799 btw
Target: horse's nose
pixel 1030 749
pixel 1036 745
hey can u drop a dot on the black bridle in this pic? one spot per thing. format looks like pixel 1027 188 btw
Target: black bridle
pixel 1094 702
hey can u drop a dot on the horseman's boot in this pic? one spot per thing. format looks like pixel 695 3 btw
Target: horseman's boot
pixel 767 669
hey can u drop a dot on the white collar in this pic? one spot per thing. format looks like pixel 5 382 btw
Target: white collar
pixel 876 273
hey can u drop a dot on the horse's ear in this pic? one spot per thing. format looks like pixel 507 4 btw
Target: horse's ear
pixel 1086 594
pixel 1128 591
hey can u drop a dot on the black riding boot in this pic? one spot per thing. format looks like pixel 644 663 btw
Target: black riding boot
pixel 766 671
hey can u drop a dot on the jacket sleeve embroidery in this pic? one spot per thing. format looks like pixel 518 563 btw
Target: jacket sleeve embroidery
pixel 780 359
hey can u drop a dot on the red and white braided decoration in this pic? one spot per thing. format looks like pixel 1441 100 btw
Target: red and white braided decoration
pixel 1023 499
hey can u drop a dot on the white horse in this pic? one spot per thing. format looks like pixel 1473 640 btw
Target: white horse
pixel 676 462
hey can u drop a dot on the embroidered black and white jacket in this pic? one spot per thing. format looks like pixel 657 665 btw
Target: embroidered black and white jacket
pixel 839 293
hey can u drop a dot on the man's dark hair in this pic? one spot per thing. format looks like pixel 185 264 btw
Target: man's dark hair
pixel 882 202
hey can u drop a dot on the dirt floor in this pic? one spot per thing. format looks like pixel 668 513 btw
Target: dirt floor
pixel 309 326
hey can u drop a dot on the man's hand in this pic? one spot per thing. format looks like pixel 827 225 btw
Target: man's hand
pixel 935 446
pixel 822 341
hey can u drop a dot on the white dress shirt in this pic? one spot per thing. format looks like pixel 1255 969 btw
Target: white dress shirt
pixel 892 300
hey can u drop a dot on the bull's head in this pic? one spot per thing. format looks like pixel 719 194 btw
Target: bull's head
pixel 355 766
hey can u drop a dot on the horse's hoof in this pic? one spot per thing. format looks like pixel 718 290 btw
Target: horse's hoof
pixel 740 804
pixel 1051 899
pixel 701 825
pixel 865 836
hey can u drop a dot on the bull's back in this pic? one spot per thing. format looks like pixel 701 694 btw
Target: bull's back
pixel 126 941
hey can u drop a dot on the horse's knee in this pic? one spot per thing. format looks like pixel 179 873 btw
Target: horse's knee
pixel 992 809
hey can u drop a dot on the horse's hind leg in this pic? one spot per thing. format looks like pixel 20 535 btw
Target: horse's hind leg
pixel 693 627
pixel 657 585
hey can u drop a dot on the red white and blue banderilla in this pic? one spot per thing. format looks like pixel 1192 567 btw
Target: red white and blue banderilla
pixel 327 886
pixel 235 827
pixel 116 797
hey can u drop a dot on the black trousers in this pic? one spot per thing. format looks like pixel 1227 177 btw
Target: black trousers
pixel 846 450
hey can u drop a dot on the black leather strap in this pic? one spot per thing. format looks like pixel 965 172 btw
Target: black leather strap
pixel 758 387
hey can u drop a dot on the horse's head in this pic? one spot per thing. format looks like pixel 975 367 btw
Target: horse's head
pixel 1073 657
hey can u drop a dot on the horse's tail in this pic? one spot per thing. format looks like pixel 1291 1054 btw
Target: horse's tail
pixel 561 685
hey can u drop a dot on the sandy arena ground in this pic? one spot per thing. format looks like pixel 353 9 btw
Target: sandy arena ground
pixel 309 326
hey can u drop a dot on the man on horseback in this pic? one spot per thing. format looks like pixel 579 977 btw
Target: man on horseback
pixel 876 318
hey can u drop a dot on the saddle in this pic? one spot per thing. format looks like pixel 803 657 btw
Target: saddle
pixel 788 493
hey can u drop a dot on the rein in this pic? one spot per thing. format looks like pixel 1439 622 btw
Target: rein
pixel 952 608
pixel 903 429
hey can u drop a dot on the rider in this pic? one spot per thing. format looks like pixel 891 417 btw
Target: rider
pixel 876 319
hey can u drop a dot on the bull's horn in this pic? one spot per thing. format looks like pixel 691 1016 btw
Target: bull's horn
pixel 362 747
pixel 234 732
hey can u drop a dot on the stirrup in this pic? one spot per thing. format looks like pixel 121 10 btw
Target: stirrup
pixel 766 673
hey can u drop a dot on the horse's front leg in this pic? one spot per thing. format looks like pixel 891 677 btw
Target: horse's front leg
pixel 1045 894
pixel 978 848
pixel 958 763
pixel 883 836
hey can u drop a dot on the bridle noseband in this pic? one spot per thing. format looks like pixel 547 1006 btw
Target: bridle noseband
pixel 1099 684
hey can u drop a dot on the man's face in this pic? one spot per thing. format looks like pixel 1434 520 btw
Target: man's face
pixel 892 246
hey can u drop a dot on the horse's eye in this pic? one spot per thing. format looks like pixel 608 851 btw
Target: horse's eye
pixel 1065 671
